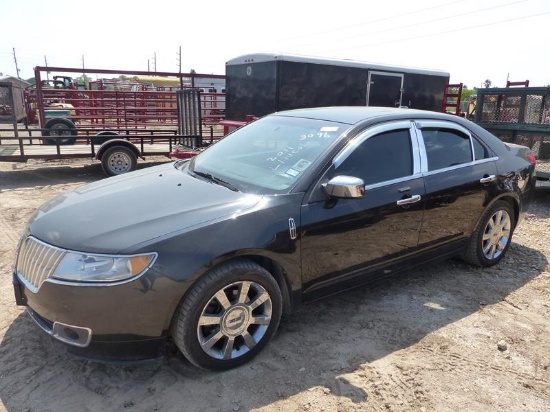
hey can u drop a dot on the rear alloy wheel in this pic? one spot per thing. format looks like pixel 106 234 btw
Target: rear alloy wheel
pixel 118 160
pixel 228 316
pixel 492 237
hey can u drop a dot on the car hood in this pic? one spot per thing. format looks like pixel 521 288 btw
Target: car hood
pixel 116 213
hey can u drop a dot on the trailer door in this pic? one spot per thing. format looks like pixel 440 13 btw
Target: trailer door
pixel 384 89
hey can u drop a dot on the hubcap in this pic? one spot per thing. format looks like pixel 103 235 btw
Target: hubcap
pixel 119 162
pixel 234 320
pixel 496 235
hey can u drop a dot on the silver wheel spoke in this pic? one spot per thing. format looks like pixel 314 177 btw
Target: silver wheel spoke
pixel 260 320
pixel 243 294
pixel 498 218
pixel 209 320
pixel 222 299
pixel 263 297
pixel 228 347
pixel 249 340
pixel 212 340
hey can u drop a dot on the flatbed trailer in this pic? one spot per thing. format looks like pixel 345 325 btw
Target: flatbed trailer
pixel 118 154
pixel 116 122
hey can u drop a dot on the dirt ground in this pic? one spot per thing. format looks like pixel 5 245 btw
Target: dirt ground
pixel 448 337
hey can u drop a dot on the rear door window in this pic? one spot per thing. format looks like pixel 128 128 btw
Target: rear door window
pixel 446 147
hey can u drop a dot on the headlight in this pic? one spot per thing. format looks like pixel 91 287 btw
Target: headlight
pixel 82 267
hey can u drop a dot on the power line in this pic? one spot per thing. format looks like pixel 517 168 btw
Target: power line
pixel 400 27
pixel 375 20
pixel 454 16
pixel 444 32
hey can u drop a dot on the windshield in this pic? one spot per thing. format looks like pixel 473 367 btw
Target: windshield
pixel 268 155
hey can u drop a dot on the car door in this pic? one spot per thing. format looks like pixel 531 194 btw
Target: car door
pixel 342 240
pixel 460 175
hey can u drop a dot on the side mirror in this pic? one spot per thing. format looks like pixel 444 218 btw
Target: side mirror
pixel 347 187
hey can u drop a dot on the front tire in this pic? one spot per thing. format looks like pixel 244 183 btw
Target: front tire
pixel 492 236
pixel 228 316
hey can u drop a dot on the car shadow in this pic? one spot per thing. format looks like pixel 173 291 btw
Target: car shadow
pixel 314 350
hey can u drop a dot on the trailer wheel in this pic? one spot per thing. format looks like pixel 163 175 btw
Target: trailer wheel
pixel 60 131
pixel 118 160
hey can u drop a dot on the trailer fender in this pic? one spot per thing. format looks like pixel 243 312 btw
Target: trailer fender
pixel 59 131
pixel 118 156
pixel 103 137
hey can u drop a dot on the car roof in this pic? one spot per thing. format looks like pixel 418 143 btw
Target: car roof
pixel 357 114
pixel 366 116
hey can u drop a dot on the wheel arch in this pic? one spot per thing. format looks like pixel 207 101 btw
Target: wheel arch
pixel 275 269
pixel 117 142
pixel 514 203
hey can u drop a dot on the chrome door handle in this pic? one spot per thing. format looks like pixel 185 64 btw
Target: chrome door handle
pixel 409 200
pixel 488 179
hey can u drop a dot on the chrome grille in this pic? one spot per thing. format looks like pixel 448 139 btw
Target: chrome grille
pixel 36 261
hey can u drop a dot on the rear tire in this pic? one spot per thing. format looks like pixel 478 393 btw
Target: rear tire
pixel 228 316
pixel 492 235
pixel 118 160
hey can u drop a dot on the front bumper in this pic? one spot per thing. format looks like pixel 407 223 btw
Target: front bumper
pixel 95 323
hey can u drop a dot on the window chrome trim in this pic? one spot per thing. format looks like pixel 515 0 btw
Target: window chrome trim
pixel 424 124
pixel 375 130
pixel 460 166
pixel 393 181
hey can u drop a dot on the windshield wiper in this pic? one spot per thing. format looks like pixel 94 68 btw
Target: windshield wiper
pixel 216 180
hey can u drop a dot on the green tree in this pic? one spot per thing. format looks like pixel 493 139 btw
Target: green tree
pixel 487 83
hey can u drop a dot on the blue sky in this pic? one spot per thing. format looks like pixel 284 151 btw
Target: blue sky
pixel 473 40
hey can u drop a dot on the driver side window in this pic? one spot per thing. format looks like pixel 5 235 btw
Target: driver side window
pixel 382 157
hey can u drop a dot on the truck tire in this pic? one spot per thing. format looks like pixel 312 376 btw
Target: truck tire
pixel 118 160
pixel 60 131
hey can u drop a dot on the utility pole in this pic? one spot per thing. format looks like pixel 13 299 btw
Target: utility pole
pixel 155 61
pixel 47 72
pixel 83 74
pixel 179 60
pixel 16 66
pixel 148 67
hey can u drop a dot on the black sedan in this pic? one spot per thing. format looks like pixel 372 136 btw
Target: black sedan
pixel 208 253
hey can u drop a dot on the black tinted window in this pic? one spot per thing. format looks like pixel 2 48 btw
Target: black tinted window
pixel 446 147
pixel 480 151
pixel 382 157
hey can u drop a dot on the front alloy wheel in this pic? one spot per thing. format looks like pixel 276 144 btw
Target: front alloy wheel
pixel 234 320
pixel 228 316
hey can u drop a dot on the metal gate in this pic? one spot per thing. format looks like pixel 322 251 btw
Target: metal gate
pixel 189 117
